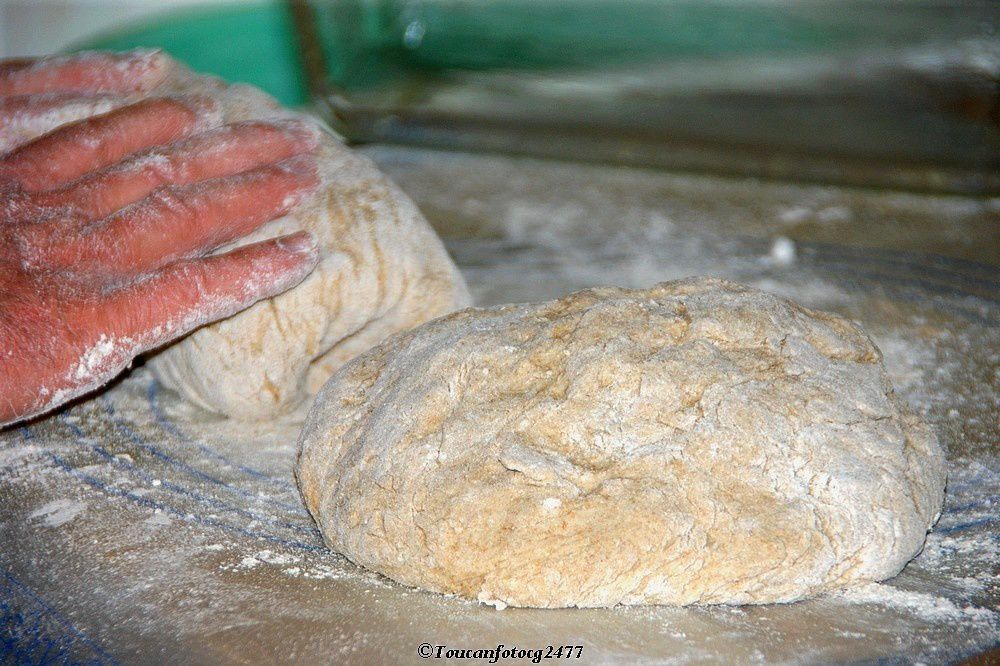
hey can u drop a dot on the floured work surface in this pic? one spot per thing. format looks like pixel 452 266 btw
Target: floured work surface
pixel 137 528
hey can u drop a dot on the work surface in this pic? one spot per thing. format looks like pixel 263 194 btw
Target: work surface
pixel 136 528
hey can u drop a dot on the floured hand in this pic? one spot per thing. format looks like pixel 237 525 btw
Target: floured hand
pixel 105 223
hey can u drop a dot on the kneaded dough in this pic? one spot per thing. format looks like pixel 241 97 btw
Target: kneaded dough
pixel 382 270
pixel 697 442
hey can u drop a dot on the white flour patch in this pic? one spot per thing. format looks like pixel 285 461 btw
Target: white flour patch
pixel 248 562
pixel 262 557
pixel 293 566
pixel 158 519
pixel 324 572
pixel 58 512
pixel 92 362
pixel 926 606
pixel 13 454
pixel 271 557
pixel 782 252
pixel 907 360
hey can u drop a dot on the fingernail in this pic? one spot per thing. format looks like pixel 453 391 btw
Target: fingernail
pixel 303 130
pixel 208 112
pixel 150 64
pixel 301 242
pixel 146 54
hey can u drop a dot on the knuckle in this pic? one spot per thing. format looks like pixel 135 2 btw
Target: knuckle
pixel 16 205
pixel 34 244
pixel 161 165
pixel 171 201
pixel 51 242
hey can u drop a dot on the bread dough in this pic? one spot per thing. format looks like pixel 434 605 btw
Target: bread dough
pixel 697 442
pixel 382 270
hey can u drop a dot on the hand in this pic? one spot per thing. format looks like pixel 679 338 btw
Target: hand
pixel 38 95
pixel 105 223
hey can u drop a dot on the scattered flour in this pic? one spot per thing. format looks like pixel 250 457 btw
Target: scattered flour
pixel 13 454
pixel 92 362
pixel 265 557
pixel 958 573
pixel 58 512
pixel 927 606
pixel 158 519
pixel 248 562
pixel 794 214
pixel 324 572
pixel 782 252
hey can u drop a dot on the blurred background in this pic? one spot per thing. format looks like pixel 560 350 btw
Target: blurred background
pixel 36 27
pixel 887 94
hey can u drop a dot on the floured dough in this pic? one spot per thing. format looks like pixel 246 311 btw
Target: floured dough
pixel 697 442
pixel 383 270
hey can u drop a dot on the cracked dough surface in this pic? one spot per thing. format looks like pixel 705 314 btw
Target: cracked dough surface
pixel 382 269
pixel 697 442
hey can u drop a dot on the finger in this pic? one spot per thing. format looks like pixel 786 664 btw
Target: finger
pixel 190 293
pixel 109 330
pixel 220 152
pixel 71 151
pixel 25 117
pixel 172 223
pixel 85 72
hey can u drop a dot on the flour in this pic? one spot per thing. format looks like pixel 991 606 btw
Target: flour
pixel 92 361
pixel 24 124
pixel 135 588
pixel 58 512
pixel 782 252
pixel 12 455
pixel 158 519
pixel 927 606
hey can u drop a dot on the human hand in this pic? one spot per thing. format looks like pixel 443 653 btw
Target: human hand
pixel 105 223
pixel 39 94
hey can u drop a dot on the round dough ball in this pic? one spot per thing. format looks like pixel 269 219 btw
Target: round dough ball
pixel 382 270
pixel 697 442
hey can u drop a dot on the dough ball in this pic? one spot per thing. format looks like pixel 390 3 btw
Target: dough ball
pixel 382 270
pixel 697 442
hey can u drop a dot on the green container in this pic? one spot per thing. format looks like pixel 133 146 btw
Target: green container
pixel 840 91
pixel 251 43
